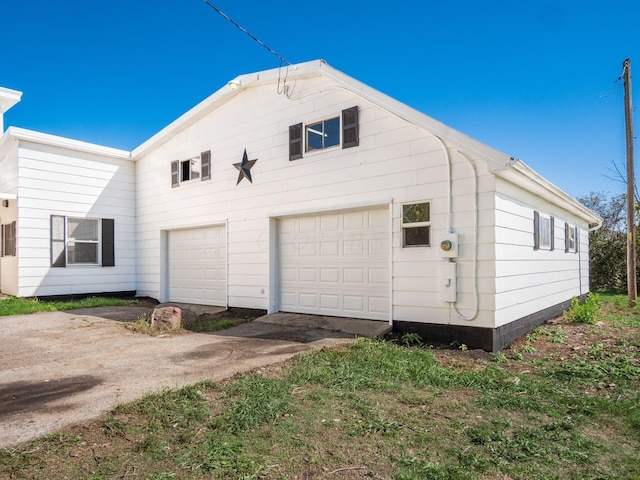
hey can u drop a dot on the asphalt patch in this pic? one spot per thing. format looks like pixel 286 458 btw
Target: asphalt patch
pixel 30 396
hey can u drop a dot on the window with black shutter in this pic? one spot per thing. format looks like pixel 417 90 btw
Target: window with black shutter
pixel 9 239
pixel 82 241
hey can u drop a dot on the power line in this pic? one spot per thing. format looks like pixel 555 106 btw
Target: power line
pixel 244 30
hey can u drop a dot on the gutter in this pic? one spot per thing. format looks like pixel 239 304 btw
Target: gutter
pixel 519 173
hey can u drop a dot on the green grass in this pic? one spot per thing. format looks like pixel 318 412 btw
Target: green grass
pixel 566 407
pixel 22 306
pixel 212 323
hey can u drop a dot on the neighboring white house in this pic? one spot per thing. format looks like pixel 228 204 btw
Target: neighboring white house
pixel 309 193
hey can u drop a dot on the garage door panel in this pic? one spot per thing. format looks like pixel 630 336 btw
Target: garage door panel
pixel 197 270
pixel 336 264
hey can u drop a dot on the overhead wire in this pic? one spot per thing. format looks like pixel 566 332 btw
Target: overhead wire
pixel 245 31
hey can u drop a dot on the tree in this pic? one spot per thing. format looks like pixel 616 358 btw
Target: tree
pixel 608 245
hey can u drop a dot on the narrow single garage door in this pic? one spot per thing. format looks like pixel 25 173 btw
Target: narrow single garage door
pixel 198 266
pixel 336 264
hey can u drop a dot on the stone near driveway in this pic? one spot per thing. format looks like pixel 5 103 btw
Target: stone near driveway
pixel 170 317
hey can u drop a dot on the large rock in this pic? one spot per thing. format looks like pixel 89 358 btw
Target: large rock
pixel 170 317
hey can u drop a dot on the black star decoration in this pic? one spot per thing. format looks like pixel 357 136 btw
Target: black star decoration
pixel 244 167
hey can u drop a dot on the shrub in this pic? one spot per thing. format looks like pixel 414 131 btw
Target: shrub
pixel 585 312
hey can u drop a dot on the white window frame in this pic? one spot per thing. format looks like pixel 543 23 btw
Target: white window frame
pixel 71 242
pixel 9 239
pixel 309 127
pixel 410 225
pixel 572 238
pixel 545 227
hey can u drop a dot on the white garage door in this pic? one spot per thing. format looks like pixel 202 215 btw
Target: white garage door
pixel 336 264
pixel 198 266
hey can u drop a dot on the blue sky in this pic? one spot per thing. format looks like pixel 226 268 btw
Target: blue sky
pixel 534 79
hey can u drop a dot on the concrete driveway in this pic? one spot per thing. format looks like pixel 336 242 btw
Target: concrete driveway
pixel 57 369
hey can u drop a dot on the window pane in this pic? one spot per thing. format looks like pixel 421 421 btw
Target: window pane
pixel 417 236
pixel 189 169
pixel 195 168
pixel 323 134
pixel 416 212
pixel 82 252
pixel 545 232
pixel 315 135
pixel 83 229
pixel 332 132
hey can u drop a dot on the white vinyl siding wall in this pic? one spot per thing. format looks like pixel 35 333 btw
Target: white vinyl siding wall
pixel 394 162
pixel 529 280
pixel 56 181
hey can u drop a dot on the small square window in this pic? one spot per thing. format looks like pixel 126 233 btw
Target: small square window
pixel 323 134
pixel 416 225
pixel 190 169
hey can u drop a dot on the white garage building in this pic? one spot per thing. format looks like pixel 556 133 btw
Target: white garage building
pixel 319 195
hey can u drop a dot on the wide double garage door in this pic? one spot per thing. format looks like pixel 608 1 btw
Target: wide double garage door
pixel 198 266
pixel 336 264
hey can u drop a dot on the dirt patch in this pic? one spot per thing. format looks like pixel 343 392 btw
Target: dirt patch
pixel 29 396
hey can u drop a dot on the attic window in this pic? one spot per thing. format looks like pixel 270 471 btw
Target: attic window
pixel 190 169
pixel 323 134
pixel 341 130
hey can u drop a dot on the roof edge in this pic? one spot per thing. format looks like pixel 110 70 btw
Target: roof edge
pixel 66 143
pixel 549 191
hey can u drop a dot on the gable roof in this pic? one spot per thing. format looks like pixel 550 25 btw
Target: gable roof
pixel 499 163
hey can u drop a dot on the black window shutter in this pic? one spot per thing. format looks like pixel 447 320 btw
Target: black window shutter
pixel 350 128
pixel 553 233
pixel 108 243
pixel 295 142
pixel 175 171
pixel 4 239
pixel 566 237
pixel 58 254
pixel 205 165
pixel 536 230
pixel 577 237
pixel 13 239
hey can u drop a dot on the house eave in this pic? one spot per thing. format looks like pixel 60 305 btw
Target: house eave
pixel 524 176
pixel 24 135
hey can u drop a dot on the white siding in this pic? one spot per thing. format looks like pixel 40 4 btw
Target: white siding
pixel 56 181
pixel 529 280
pixel 395 160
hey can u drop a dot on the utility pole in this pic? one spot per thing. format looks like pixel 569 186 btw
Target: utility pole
pixel 632 287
